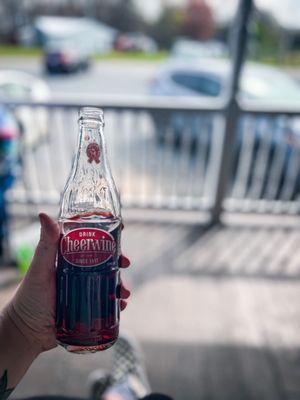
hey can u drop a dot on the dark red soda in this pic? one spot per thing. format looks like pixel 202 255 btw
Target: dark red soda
pixel 87 304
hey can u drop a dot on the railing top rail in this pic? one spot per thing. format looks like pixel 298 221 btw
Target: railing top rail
pixel 150 103
pixel 130 103
pixel 269 108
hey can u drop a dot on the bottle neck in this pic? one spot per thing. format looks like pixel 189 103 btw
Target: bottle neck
pixel 91 144
pixel 90 188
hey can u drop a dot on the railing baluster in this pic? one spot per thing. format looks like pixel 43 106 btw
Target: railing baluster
pixel 159 156
pixel 277 163
pixel 187 167
pixel 291 177
pixel 117 161
pixel 204 148
pixel 165 175
pixel 261 161
pixel 47 164
pixel 214 168
pixel 30 171
pixel 171 174
pixel 130 164
pixel 138 147
pixel 143 125
pixel 197 165
pixel 247 138
pixel 185 143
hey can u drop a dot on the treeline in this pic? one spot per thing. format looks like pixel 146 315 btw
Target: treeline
pixel 194 21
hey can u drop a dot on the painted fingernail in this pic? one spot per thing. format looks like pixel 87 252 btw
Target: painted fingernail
pixel 124 262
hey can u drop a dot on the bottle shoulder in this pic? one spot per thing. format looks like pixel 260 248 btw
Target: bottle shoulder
pixel 93 197
pixel 102 221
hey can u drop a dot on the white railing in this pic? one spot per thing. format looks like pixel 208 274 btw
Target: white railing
pixel 167 155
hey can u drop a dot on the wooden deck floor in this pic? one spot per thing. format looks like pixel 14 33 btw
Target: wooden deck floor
pixel 217 312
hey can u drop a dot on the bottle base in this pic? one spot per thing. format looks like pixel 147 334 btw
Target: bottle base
pixel 77 349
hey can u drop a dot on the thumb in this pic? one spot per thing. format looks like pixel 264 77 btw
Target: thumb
pixel 45 252
pixel 49 230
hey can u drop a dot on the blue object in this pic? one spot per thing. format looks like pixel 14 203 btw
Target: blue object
pixel 9 164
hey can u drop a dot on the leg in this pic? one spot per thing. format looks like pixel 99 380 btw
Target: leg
pixel 128 379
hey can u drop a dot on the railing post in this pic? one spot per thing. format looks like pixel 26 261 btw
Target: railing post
pixel 232 109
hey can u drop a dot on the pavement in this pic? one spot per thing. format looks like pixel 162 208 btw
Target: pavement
pixel 103 78
pixel 8 277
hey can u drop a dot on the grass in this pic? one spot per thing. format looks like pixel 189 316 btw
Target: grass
pixel 19 51
pixel 273 57
pixel 291 60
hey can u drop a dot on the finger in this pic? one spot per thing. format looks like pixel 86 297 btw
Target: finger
pixel 49 229
pixel 45 252
pixel 123 305
pixel 124 262
pixel 124 292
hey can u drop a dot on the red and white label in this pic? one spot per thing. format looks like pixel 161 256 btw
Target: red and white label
pixel 87 247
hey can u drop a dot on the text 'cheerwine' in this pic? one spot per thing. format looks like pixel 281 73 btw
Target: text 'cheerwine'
pixel 87 247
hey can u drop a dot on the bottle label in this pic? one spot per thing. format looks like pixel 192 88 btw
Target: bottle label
pixel 87 247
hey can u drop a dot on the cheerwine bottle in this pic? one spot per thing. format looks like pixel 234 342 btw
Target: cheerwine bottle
pixel 87 307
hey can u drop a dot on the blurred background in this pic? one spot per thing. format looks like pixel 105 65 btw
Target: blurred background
pixel 202 102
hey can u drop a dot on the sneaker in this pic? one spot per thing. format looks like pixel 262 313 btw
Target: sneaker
pixel 128 366
pixel 98 383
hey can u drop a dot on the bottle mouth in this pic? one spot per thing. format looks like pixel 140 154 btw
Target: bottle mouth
pixel 93 113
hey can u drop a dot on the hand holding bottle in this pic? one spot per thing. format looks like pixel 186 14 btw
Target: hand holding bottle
pixel 32 309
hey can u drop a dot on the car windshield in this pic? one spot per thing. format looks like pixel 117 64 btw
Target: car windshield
pixel 204 85
pixel 60 45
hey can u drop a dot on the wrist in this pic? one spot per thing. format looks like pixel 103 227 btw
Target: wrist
pixel 19 332
pixel 17 353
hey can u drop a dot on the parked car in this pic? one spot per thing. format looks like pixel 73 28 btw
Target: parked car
pixel 135 42
pixel 194 49
pixel 65 56
pixel 96 37
pixel 210 79
pixel 21 86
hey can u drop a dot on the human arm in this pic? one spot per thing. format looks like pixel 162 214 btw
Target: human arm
pixel 27 324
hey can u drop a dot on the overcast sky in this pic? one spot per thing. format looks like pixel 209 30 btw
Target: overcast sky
pixel 287 12
pixel 151 9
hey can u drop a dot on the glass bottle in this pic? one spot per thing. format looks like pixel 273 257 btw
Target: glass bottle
pixel 87 307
